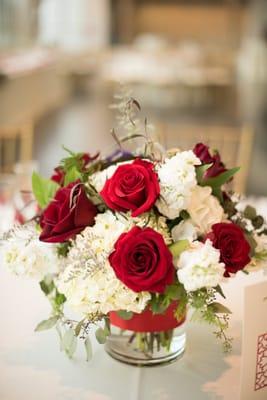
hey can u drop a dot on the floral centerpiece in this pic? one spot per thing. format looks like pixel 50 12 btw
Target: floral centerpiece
pixel 124 245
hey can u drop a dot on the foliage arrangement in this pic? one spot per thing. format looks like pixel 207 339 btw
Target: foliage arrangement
pixel 135 231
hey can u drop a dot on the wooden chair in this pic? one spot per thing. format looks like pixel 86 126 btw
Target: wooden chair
pixel 234 144
pixel 16 145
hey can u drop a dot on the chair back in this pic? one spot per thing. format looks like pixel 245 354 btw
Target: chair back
pixel 16 145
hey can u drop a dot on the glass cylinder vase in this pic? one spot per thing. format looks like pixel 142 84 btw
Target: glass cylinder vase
pixel 147 339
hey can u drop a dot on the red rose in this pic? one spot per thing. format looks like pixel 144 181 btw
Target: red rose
pixel 217 167
pixel 68 214
pixel 142 261
pixel 58 175
pixel 234 248
pixel 132 187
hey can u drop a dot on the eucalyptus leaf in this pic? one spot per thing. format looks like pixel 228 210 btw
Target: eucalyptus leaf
pixel 125 314
pixel 79 327
pixel 47 324
pixel 88 348
pixel 101 336
pixel 220 308
pixel 69 342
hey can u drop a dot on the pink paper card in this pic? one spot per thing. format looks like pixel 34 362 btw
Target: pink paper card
pixel 254 343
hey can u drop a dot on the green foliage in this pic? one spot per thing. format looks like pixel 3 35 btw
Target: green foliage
pixel 101 335
pixel 217 182
pixel 125 314
pixel 200 172
pixel 211 312
pixel 47 285
pixel 69 342
pixel 88 349
pixel 72 175
pixel 63 249
pixel 43 189
pixel 47 324
pixel 178 247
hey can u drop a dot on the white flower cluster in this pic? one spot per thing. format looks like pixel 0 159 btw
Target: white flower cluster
pixel 200 267
pixel 88 282
pixel 25 255
pixel 177 178
pixel 100 293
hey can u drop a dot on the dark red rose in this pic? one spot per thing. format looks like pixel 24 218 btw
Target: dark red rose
pixel 142 261
pixel 58 175
pixel 132 187
pixel 217 167
pixel 68 214
pixel 234 248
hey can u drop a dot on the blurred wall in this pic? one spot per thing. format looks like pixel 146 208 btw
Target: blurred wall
pixel 74 25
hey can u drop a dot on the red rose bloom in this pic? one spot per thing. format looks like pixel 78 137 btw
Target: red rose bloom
pixel 68 214
pixel 58 175
pixel 217 167
pixel 142 261
pixel 234 248
pixel 132 187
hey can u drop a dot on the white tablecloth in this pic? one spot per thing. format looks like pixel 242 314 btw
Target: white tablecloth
pixel 33 368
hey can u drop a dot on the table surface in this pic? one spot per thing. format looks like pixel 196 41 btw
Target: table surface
pixel 32 367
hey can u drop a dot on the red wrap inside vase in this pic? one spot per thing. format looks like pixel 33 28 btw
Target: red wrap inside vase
pixel 147 321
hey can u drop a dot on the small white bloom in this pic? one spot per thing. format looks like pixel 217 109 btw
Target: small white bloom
pixel 25 255
pixel 200 267
pixel 185 230
pixel 177 178
pixel 204 209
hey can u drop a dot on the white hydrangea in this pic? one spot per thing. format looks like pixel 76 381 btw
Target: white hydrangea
pixel 25 255
pixel 100 293
pixel 89 282
pixel 204 209
pixel 177 178
pixel 185 230
pixel 200 267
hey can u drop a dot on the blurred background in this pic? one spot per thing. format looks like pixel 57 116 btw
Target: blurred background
pixel 198 68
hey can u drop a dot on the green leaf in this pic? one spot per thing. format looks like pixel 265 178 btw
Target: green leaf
pixel 218 181
pixel 69 342
pixel 47 286
pixel 175 292
pixel 72 175
pixel 101 335
pixel 88 348
pixel 47 324
pixel 125 314
pixel 79 327
pixel 250 212
pixel 178 247
pixel 60 299
pixel 219 308
pixel 200 172
pixel 43 189
pixel 220 291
